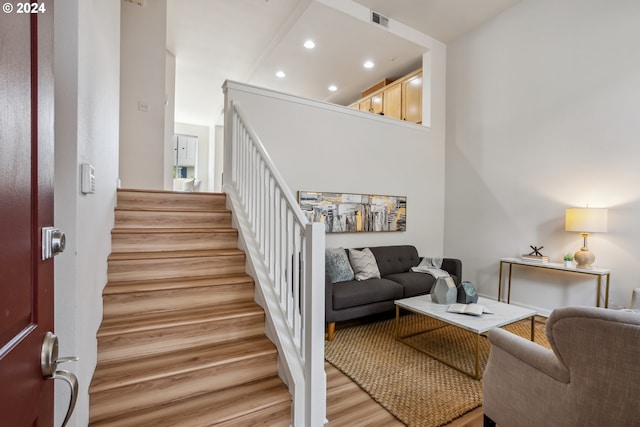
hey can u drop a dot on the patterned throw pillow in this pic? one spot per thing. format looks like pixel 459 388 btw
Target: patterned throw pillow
pixel 336 264
pixel 364 264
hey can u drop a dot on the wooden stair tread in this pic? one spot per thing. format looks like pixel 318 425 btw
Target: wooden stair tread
pixel 208 409
pixel 170 192
pixel 152 367
pixel 152 239
pixel 143 199
pixel 278 415
pixel 150 230
pixel 140 198
pixel 171 217
pixel 163 319
pixel 118 256
pixel 166 284
pixel 172 209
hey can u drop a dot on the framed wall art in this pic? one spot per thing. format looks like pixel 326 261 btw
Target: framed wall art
pixel 353 213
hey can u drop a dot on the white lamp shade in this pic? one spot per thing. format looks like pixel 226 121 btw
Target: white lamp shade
pixel 586 220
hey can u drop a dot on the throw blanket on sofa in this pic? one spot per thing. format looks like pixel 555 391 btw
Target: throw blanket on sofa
pixel 430 266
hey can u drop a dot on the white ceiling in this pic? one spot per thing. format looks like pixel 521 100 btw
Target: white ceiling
pixel 249 40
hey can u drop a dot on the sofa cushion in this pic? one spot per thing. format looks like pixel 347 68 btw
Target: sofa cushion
pixel 395 259
pixel 354 293
pixel 337 266
pixel 413 283
pixel 364 264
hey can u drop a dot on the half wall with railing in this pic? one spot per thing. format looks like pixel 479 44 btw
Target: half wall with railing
pixel 285 254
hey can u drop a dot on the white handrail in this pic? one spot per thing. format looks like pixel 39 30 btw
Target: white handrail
pixel 286 253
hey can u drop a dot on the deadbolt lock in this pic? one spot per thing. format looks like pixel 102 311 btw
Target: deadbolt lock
pixel 53 242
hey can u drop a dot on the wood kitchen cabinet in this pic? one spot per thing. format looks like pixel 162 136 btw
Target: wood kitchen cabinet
pixel 400 99
pixel 393 101
pixel 377 104
pixel 412 99
pixel 364 105
pixel 371 104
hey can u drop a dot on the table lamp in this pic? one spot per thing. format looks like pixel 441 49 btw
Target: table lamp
pixel 585 221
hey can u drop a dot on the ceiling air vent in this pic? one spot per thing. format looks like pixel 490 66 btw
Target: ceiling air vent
pixel 376 18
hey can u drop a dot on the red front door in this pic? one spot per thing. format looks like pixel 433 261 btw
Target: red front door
pixel 26 206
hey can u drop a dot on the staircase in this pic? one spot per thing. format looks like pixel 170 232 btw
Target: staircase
pixel 182 341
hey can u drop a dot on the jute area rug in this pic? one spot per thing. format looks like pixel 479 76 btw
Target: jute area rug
pixel 415 388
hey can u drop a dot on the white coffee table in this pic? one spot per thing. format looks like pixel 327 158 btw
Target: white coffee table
pixel 503 314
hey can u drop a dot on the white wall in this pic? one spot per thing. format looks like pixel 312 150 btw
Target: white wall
pixel 542 114
pixel 216 158
pixel 324 147
pixel 87 72
pixel 142 134
pixel 202 162
pixel 169 118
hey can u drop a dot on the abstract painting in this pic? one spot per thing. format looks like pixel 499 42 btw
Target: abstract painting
pixel 352 213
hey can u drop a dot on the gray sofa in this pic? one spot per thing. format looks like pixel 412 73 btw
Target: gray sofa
pixel 346 300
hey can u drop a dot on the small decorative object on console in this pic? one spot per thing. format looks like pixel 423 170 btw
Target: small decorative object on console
pixel 536 250
pixel 467 293
pixel 535 255
pixel 568 260
pixel 444 291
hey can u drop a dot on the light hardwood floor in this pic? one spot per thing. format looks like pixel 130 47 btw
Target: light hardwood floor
pixel 347 402
pixel 349 405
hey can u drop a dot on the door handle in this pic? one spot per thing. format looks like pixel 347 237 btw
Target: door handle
pixel 49 361
pixel 53 242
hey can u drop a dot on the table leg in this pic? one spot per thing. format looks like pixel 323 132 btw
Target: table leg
pixel 477 372
pixel 500 282
pixel 533 328
pixel 606 292
pixel 599 288
pixel 509 285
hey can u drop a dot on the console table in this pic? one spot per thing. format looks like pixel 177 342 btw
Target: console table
pixel 598 272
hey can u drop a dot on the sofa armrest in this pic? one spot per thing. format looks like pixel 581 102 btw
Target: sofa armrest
pixel 328 299
pixel 453 266
pixel 526 352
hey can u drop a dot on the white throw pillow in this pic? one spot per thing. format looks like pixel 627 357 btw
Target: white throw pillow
pixel 364 264
pixel 187 185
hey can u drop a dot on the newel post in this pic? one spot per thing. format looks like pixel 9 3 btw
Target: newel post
pixel 315 377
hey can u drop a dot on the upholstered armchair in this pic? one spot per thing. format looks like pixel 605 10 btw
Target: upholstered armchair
pixel 590 377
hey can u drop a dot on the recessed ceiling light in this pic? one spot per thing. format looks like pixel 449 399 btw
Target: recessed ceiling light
pixel 280 74
pixel 309 44
pixel 368 64
pixel 333 88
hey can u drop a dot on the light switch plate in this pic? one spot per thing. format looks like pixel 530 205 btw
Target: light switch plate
pixel 88 179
